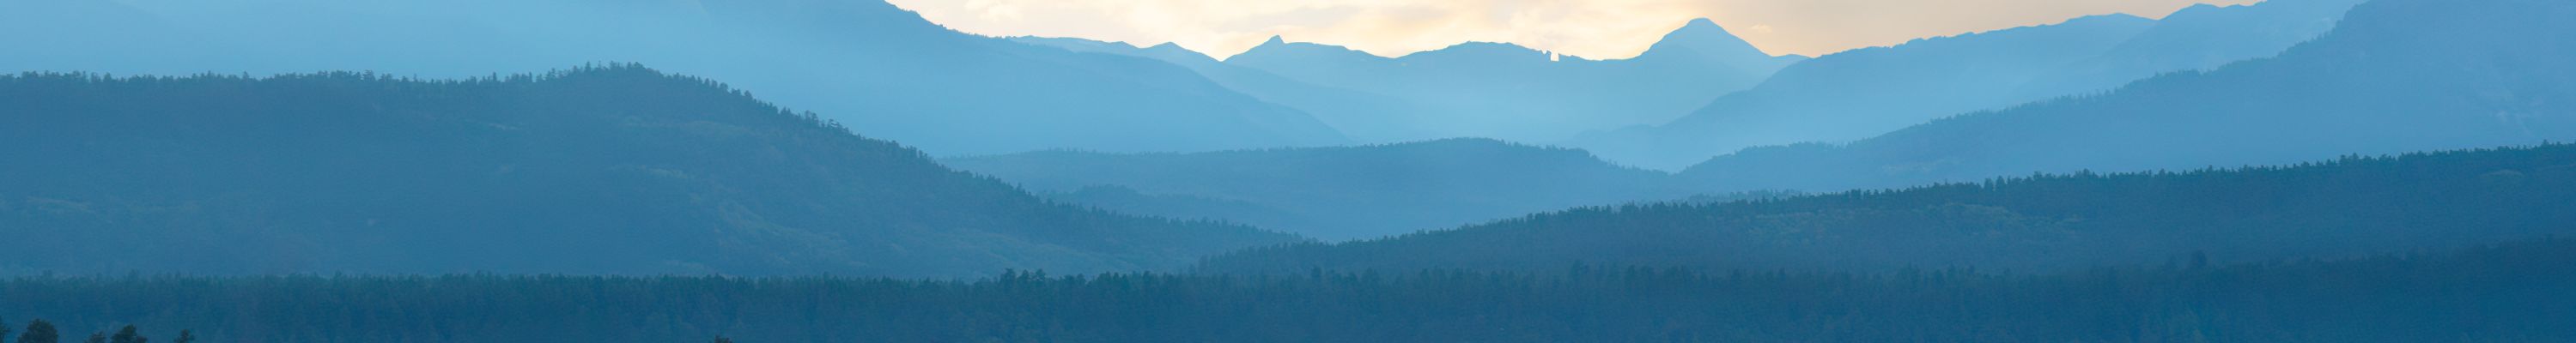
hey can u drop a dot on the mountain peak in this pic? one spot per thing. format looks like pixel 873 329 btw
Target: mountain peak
pixel 1703 23
pixel 1479 51
pixel 1278 48
pixel 1706 39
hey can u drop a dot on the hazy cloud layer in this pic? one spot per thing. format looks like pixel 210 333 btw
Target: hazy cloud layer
pixel 1591 28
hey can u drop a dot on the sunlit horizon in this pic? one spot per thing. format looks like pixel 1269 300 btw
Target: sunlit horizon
pixel 1592 29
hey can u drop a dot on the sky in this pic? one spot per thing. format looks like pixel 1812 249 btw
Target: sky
pixel 1599 29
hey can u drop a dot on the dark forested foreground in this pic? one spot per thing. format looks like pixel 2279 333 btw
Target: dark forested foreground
pixel 2518 292
pixel 2347 208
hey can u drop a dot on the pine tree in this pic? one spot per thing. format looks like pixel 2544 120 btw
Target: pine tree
pixel 40 332
pixel 127 335
pixel 97 337
pixel 722 339
pixel 185 336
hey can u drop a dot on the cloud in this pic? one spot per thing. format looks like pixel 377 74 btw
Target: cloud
pixel 1590 28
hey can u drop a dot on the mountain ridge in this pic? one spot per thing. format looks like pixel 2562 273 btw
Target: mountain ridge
pixel 1335 193
pixel 881 68
pixel 2045 222
pixel 2381 82
pixel 1512 92
pixel 598 170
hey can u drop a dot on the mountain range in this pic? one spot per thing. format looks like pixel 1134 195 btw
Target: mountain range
pixel 1866 92
pixel 597 170
pixel 2048 223
pixel 2392 76
pixel 1336 193
pixel 1509 92
pixel 2395 76
pixel 879 68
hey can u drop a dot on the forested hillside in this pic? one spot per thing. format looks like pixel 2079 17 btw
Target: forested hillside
pixel 2510 293
pixel 882 69
pixel 615 169
pixel 2395 76
pixel 1336 193
pixel 2350 207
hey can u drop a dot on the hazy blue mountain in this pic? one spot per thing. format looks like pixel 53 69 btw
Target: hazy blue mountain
pixel 1363 116
pixel 1506 91
pixel 1192 207
pixel 1858 93
pixel 2395 76
pixel 599 170
pixel 877 67
pixel 2351 207
pixel 1335 193
pixel 2199 37
pixel 1838 100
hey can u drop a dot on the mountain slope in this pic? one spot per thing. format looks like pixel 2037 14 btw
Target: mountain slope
pixel 1858 93
pixel 2395 76
pixel 600 170
pixel 880 68
pixel 1509 92
pixel 2196 38
pixel 1363 116
pixel 1335 193
pixel 2352 207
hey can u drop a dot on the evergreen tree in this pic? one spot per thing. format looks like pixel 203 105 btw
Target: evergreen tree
pixel 127 335
pixel 185 336
pixel 97 337
pixel 40 332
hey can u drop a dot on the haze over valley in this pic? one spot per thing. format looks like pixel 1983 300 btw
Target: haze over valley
pixel 849 171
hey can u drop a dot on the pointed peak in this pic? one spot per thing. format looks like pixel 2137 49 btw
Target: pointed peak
pixel 1701 27
pixel 1278 48
pixel 1702 22
pixel 1704 36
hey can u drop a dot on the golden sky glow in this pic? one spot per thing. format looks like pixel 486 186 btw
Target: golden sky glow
pixel 1589 28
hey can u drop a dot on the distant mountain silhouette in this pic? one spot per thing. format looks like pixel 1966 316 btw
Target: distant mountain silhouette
pixel 1366 117
pixel 1506 91
pixel 615 169
pixel 1864 93
pixel 2346 208
pixel 1858 93
pixel 1335 193
pixel 2199 37
pixel 2395 76
pixel 881 69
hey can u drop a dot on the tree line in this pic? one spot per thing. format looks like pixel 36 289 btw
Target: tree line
pixel 41 331
pixel 2349 207
pixel 2507 292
